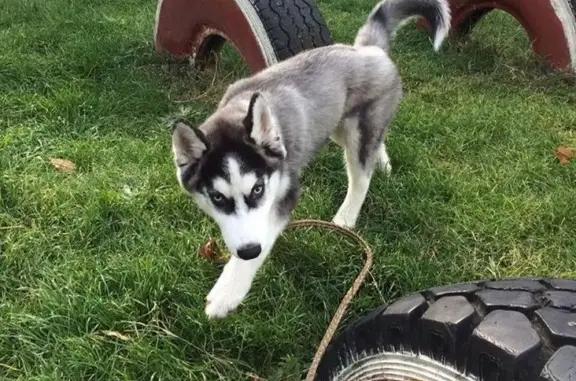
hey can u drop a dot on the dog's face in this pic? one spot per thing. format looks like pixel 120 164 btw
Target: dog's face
pixel 232 171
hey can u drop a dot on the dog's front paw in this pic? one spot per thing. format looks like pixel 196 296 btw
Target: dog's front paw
pixel 219 288
pixel 344 221
pixel 223 302
pixel 227 294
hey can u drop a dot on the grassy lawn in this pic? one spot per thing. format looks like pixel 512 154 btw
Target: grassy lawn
pixel 476 193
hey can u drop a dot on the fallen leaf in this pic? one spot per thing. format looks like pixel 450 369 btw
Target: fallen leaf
pixel 564 154
pixel 116 335
pixel 211 252
pixel 127 192
pixel 255 377
pixel 63 165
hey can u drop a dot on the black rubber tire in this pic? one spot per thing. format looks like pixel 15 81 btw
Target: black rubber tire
pixel 507 330
pixel 292 25
pixel 263 31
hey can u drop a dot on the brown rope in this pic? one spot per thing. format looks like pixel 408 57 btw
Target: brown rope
pixel 344 304
pixel 347 299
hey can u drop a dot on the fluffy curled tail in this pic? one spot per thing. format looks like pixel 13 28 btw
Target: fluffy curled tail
pixel 388 15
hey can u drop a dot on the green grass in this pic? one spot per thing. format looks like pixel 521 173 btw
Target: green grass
pixel 476 193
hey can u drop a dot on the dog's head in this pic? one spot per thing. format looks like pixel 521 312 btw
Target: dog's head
pixel 231 166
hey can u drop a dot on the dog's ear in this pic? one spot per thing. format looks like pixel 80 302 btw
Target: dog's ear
pixel 188 143
pixel 262 127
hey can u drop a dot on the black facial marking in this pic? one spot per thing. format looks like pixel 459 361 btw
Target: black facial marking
pixel 249 159
pixel 256 194
pixel 230 141
pixel 224 204
pixel 288 203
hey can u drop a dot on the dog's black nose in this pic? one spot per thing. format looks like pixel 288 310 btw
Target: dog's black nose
pixel 249 251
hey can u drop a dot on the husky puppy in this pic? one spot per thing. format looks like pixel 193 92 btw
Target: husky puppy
pixel 242 165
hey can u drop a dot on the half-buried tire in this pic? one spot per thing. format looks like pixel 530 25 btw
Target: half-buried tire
pixel 550 25
pixel 507 330
pixel 262 31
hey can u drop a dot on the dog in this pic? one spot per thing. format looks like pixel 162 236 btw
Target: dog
pixel 242 165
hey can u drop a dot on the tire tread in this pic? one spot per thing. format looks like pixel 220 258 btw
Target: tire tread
pixel 292 25
pixel 515 332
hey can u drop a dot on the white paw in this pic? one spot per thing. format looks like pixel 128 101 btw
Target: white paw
pixel 384 161
pixel 220 287
pixel 384 165
pixel 223 302
pixel 387 168
pixel 341 219
pixel 228 292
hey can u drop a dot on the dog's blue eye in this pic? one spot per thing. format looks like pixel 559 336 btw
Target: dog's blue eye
pixel 255 194
pixel 216 197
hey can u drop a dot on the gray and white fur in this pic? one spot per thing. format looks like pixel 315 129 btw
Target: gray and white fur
pixel 243 164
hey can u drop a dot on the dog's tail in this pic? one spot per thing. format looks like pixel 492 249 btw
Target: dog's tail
pixel 388 16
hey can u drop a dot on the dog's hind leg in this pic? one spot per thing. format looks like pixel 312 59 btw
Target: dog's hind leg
pixel 359 168
pixel 384 160
pixel 338 136
pixel 364 149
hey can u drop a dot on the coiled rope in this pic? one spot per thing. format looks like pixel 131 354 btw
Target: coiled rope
pixel 210 248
